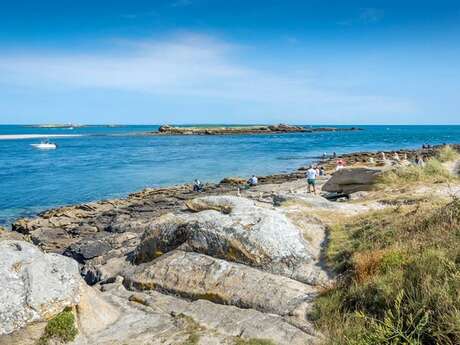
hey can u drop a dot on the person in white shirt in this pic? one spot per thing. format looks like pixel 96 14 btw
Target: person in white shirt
pixel 311 179
pixel 253 181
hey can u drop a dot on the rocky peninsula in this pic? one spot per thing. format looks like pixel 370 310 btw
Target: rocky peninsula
pixel 235 130
pixel 228 265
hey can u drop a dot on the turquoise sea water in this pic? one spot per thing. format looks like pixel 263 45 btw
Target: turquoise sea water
pixel 112 162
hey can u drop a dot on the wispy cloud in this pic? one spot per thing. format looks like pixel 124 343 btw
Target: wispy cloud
pixel 186 66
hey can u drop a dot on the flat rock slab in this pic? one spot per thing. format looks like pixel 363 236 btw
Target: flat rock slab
pixel 247 323
pixel 198 276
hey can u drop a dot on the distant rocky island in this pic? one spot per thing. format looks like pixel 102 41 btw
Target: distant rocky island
pixel 232 130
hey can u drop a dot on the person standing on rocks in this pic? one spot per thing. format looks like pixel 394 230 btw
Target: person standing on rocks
pixel 197 186
pixel 311 179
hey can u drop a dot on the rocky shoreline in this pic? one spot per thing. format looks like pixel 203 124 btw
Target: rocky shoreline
pixel 233 130
pixel 55 230
pixel 169 265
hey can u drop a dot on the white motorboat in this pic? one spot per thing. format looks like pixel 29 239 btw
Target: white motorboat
pixel 45 145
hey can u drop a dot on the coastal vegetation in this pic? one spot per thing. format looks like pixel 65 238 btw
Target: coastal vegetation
pixel 60 328
pixel 435 170
pixel 398 275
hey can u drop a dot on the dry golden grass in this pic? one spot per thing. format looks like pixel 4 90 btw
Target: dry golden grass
pixel 398 277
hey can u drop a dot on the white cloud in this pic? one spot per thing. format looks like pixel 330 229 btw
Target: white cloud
pixel 188 66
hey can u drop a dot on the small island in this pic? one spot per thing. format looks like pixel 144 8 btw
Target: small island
pixel 56 125
pixel 233 130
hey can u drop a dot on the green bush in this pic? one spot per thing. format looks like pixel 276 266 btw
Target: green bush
pixel 61 327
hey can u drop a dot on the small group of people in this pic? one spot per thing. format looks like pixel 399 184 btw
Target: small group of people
pixel 396 158
pixel 325 155
pixel 199 187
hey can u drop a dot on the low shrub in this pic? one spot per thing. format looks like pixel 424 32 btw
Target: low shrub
pixel 61 328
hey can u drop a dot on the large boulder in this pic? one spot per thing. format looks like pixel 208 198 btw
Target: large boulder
pixel 35 286
pixel 198 276
pixel 234 229
pixel 351 180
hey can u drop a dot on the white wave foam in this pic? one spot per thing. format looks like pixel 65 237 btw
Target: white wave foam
pixel 35 136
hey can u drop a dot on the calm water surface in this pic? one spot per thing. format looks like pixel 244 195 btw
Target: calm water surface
pixel 112 162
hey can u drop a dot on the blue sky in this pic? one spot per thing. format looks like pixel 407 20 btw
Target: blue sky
pixel 202 61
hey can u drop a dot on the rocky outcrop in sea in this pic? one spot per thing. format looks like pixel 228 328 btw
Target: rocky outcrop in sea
pixel 233 130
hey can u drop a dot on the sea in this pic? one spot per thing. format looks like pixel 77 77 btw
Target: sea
pixel 101 162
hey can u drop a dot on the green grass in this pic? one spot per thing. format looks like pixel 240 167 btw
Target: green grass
pixel 61 328
pixel 398 278
pixel 448 154
pixel 432 172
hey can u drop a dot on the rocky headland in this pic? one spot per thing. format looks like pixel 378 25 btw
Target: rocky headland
pixel 228 265
pixel 235 130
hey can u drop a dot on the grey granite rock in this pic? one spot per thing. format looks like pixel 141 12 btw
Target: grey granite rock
pixel 234 229
pixel 352 180
pixel 34 286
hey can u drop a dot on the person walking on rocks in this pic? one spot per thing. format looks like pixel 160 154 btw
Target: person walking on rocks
pixel 311 179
